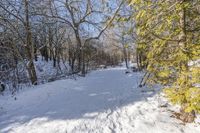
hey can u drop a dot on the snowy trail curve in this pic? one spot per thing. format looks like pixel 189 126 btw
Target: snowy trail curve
pixel 106 101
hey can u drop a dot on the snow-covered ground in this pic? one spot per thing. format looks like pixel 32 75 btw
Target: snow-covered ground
pixel 105 101
pixel 46 72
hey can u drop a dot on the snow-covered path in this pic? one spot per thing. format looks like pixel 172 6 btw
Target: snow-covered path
pixel 106 101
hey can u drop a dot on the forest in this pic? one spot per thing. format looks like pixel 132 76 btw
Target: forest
pixel 104 66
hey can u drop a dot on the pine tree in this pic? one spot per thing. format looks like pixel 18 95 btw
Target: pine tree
pixel 168 31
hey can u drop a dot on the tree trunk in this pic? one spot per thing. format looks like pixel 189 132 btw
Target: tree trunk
pixel 35 52
pixel 80 54
pixel 125 53
pixel 79 50
pixel 50 39
pixel 83 72
pixel 125 57
pixel 138 60
pixel 29 47
pixel 184 68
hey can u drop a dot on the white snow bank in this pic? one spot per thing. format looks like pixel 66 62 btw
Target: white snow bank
pixel 46 71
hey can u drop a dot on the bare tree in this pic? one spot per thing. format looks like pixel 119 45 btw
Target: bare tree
pixel 16 22
pixel 79 14
pixel 29 46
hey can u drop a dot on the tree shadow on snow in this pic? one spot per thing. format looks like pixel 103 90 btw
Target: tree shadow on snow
pixel 81 99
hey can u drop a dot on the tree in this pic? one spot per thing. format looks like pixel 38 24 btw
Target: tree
pixel 29 45
pixel 17 20
pixel 80 14
pixel 168 32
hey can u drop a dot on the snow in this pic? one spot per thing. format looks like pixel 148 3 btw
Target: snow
pixel 105 101
pixel 46 71
pixel 195 63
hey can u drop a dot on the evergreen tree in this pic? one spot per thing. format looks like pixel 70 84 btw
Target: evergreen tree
pixel 168 32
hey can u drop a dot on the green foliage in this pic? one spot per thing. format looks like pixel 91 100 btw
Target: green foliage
pixel 168 32
pixel 189 95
